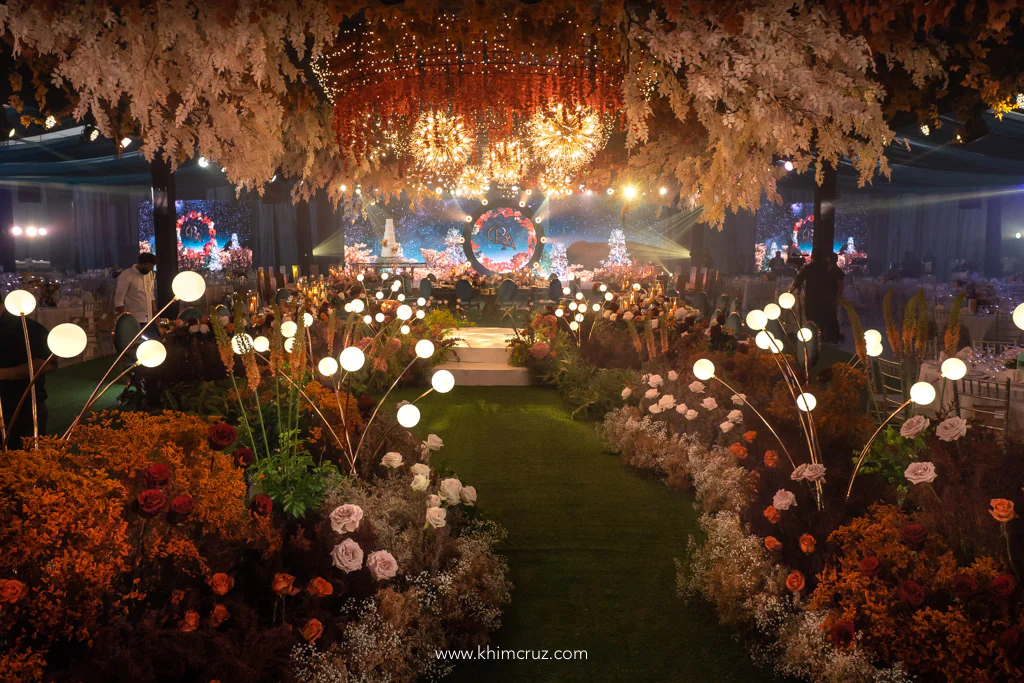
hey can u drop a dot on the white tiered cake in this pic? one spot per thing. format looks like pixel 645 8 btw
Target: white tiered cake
pixel 388 245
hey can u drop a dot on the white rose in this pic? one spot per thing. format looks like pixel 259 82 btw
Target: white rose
pixel 628 315
pixel 814 472
pixel 726 427
pixel 673 375
pixel 436 517
pixel 691 414
pixel 783 500
pixel 433 442
pixel 468 495
pixel 626 393
pixel 345 518
pixel 347 556
pixel 391 460
pixel 739 399
pixel 651 394
pixel 420 483
pixel 654 324
pixel 709 403
pixel 655 380
pixel 736 416
pixel 914 426
pixel 951 429
pixel 655 409
pixel 450 491
pixel 420 468
pixel 433 501
pixel 697 387
pixel 382 565
pixel 682 409
pixel 920 473
pixel 667 401
pixel 613 317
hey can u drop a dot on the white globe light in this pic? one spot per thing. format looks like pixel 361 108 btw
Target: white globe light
pixel 566 290
pixel 574 326
pixel 408 416
pixel 67 340
pixel 20 302
pixel 806 402
pixel 348 307
pixel 307 319
pixel 421 301
pixel 404 312
pixel 327 366
pixel 804 334
pixel 188 286
pixel 953 368
pixel 772 311
pixel 395 286
pixel 404 329
pixel 604 287
pixel 379 295
pixel 756 320
pixel 357 306
pixel 261 344
pixel 875 350
pixel 424 348
pixel 289 344
pixel 579 295
pixel 241 343
pixel 442 381
pixel 384 276
pixel 579 317
pixel 352 358
pixel 872 337
pixel 608 296
pixel 572 306
pixel 379 317
pixel 367 318
pixel 787 300
pixel 420 314
pixel 1018 316
pixel 762 340
pixel 704 369
pixel 360 277
pixel 151 353
pixel 559 312
pixel 401 297
pixel 922 393
pixel 636 286
pixel 289 328
pixel 596 308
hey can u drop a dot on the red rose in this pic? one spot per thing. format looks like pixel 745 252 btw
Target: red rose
pixel 1003 585
pixel 261 505
pixel 1012 643
pixel 221 435
pixel 842 634
pixel 182 504
pixel 870 566
pixel 243 456
pixel 913 534
pixel 911 592
pixel 151 501
pixel 157 475
pixel 964 586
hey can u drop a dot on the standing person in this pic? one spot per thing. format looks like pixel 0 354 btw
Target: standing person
pixel 135 289
pixel 824 280
pixel 14 375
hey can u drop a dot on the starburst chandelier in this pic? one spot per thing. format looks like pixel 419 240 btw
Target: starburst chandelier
pixel 555 183
pixel 508 161
pixel 566 138
pixel 473 183
pixel 441 144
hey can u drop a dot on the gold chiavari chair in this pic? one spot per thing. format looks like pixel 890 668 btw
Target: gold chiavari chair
pixel 889 385
pixel 985 403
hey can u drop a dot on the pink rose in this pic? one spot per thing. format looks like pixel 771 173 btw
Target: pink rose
pixel 951 429
pixel 346 518
pixel 382 565
pixel 450 489
pixel 347 556
pixel 783 500
pixel 436 517
pixel 914 426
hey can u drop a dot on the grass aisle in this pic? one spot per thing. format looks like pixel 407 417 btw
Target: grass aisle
pixel 590 545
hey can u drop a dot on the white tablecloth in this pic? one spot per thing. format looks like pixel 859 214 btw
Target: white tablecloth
pixel 944 393
pixel 51 317
pixel 978 325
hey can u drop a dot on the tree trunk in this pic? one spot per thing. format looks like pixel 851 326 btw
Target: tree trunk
pixel 825 215
pixel 165 217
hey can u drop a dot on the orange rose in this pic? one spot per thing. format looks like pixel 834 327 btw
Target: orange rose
pixel 190 622
pixel 177 595
pixel 795 581
pixel 11 591
pixel 772 543
pixel 284 584
pixel 1002 510
pixel 221 583
pixel 771 514
pixel 750 436
pixel 219 615
pixel 739 450
pixel 771 458
pixel 807 543
pixel 320 588
pixel 312 630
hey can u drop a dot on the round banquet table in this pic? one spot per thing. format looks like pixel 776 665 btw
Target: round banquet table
pixel 944 391
pixel 978 325
pixel 51 317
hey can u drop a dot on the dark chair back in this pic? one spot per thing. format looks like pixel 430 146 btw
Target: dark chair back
pixel 282 295
pixel 221 311
pixel 464 290
pixel 555 289
pixel 426 287
pixel 507 291
pixel 986 404
pixel 190 312
pixel 125 329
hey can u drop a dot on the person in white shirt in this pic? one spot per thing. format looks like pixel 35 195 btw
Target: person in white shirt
pixel 135 289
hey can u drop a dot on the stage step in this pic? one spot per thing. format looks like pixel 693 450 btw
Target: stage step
pixel 486 374
pixel 482 355
pixel 483 359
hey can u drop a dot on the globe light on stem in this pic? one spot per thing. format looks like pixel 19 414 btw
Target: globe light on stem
pixel 443 381
pixel 424 348
pixel 704 369
pixel 352 359
pixel 367 319
pixel 922 393
pixel 1018 316
pixel 806 402
pixel 772 311
pixel 608 296
pixel 241 343
pixel 559 312
pixel 574 326
pixel 151 353
pixel 408 416
pixel 358 306
pixel 762 340
pixel 875 350
pixel 787 300
pixel 20 302
pixel 804 334
pixel 379 317
pixel 327 366
pixel 953 369
pixel 420 314
pixel 872 337
pixel 307 319
pixel 404 329
pixel 67 340
pixel 404 312
pixel 289 344
pixel 188 286
pixel 289 329
pixel 756 320
pixel 261 344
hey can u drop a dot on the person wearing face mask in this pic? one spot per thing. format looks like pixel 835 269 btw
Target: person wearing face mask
pixel 135 289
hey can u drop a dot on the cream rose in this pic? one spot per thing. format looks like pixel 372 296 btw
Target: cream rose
pixel 345 518
pixel 382 565
pixel 920 473
pixel 391 460
pixel 347 556
pixel 783 500
pixel 433 500
pixel 739 399
pixel 420 483
pixel 667 402
pixel 673 375
pixel 814 472
pixel 420 468
pixel 434 442
pixel 655 381
pixel 468 495
pixel 951 429
pixel 726 427
pixel 626 393
pixel 691 414
pixel 735 416
pixel 436 517
pixel 914 426
pixel 709 403
pixel 450 491
pixel 682 409
pixel 697 387
pixel 651 394
pixel 655 409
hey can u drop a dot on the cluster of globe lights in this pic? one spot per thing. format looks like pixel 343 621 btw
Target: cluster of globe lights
pixel 579 305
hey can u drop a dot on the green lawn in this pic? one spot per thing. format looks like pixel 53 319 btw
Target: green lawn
pixel 68 389
pixel 590 545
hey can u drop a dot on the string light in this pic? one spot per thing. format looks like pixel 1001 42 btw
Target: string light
pixel 566 138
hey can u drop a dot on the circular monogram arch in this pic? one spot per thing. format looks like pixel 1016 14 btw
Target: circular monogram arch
pixel 503 238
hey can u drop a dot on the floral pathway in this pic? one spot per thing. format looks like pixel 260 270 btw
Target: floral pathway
pixel 590 545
